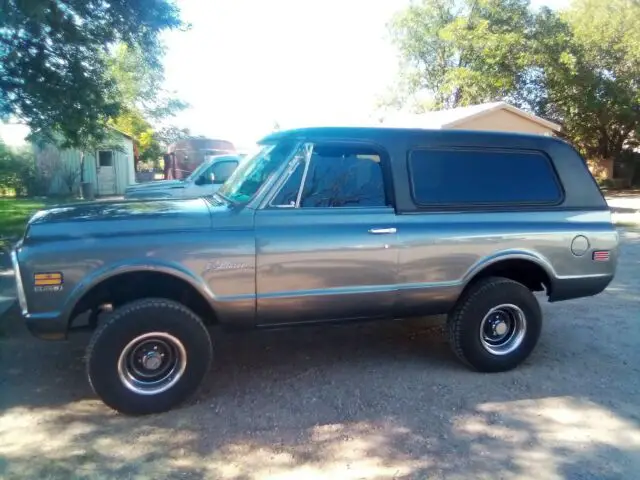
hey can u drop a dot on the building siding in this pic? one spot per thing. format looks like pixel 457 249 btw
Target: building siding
pixel 503 121
pixel 122 160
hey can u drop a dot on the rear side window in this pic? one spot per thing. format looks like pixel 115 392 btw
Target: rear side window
pixel 489 177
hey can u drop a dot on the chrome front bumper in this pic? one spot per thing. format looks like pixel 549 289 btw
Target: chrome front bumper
pixel 47 326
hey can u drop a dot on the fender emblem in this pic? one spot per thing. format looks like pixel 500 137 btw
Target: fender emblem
pixel 47 288
pixel 217 265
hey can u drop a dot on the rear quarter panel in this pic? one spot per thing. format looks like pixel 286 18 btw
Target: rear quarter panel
pixel 442 248
pixel 442 252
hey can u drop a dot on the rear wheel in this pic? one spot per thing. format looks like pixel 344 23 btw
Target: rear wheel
pixel 148 357
pixel 495 325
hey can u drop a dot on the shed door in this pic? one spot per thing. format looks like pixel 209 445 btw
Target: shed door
pixel 106 173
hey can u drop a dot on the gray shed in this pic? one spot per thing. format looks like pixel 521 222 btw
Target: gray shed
pixel 109 169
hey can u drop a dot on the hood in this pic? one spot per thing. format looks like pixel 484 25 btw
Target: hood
pixel 156 185
pixel 118 218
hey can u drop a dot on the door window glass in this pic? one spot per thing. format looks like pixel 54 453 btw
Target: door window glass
pixel 343 176
pixel 288 194
pixel 105 158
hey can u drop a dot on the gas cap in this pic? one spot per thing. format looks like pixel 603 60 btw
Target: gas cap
pixel 579 245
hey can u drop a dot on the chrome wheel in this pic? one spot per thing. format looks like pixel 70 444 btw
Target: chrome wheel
pixel 503 329
pixel 152 363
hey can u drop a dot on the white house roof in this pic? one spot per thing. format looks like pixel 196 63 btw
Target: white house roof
pixel 450 118
pixel 15 134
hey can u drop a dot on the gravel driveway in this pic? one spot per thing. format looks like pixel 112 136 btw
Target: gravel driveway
pixel 383 401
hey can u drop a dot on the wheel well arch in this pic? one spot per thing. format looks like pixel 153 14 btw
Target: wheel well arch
pixel 527 272
pixel 129 286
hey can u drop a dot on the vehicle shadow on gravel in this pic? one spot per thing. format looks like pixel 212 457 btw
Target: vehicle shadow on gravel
pixel 383 400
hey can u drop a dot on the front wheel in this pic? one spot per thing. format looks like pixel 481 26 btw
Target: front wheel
pixel 495 325
pixel 148 357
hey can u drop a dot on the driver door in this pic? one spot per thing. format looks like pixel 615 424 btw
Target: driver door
pixel 326 243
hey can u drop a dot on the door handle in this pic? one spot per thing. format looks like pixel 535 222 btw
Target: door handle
pixel 382 231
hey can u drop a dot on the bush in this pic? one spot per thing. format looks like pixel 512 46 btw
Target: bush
pixel 34 183
pixel 605 183
pixel 9 179
pixel 17 172
pixel 147 166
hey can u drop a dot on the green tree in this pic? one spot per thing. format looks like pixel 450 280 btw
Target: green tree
pixel 460 52
pixel 18 175
pixel 143 99
pixel 54 59
pixel 171 134
pixel 588 75
pixel 579 68
pixel 139 84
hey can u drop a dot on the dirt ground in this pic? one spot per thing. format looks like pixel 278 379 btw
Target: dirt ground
pixel 627 201
pixel 376 401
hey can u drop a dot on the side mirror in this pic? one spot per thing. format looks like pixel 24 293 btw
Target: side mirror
pixel 205 179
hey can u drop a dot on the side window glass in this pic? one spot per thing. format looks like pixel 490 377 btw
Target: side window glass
pixel 222 171
pixel 343 176
pixel 477 177
pixel 205 177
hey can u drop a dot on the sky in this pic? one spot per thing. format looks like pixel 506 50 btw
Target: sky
pixel 246 64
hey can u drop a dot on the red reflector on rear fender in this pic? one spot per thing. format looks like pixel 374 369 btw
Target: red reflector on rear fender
pixel 601 256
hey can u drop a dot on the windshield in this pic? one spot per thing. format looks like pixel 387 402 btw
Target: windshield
pixel 254 171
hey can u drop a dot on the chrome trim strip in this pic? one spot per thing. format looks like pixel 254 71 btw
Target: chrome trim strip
pixel 22 299
pixel 382 231
pixel 307 160
pixel 293 166
pixel 268 190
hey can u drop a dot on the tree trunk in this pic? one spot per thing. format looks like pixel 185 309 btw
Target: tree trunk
pixel 82 166
pixel 86 189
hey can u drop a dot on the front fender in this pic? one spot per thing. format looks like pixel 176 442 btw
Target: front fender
pixel 109 271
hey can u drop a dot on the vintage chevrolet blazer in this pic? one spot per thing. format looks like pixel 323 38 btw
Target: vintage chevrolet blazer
pixel 322 225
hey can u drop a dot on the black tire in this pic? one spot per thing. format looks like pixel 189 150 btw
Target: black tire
pixel 183 334
pixel 465 324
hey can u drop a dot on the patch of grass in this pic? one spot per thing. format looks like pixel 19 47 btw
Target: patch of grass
pixel 15 212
